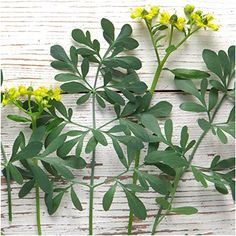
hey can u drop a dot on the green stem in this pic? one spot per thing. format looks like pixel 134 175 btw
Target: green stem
pixel 9 198
pixel 109 122
pixel 171 34
pixel 92 164
pixel 135 178
pixel 153 41
pixel 38 210
pixel 37 196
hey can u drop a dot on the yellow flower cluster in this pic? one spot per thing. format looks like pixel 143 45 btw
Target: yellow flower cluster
pixel 42 95
pixel 143 13
pixel 165 18
pixel 178 22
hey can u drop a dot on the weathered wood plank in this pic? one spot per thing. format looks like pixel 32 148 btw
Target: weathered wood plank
pixel 216 212
pixel 29 28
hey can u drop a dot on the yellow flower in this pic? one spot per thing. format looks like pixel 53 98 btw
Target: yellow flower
pixel 56 94
pixel 180 23
pixel 13 93
pixel 137 12
pixel 5 100
pixel 152 13
pixel 165 18
pixel 204 21
pixel 214 27
pixel 57 97
pixel 188 9
pixel 22 90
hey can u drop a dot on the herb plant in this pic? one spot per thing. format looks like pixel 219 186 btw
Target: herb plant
pixel 57 143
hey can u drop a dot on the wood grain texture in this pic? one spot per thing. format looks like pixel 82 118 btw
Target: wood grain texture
pixel 216 212
pixel 30 28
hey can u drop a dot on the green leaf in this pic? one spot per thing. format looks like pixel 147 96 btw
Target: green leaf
pixel 126 62
pixel 117 129
pixel 66 147
pixel 54 145
pixel 38 134
pixel 79 146
pixel 184 137
pixel 204 86
pixel 74 56
pixel 78 36
pixel 100 101
pixel 213 98
pixel 161 109
pixel 59 53
pixel 167 157
pixel 59 65
pixel 99 136
pixel 15 173
pixel 60 107
pixel 212 62
pixel 215 161
pixel 163 203
pixel 83 99
pixel 54 134
pixel 41 178
pixel 189 73
pixel 159 185
pixel 74 87
pixel 221 188
pixel 66 77
pixel 91 145
pixel 138 87
pixel 85 67
pixel 188 87
pixel 125 32
pixel 216 84
pixel 114 96
pixel 221 136
pixel 26 188
pixel 18 118
pixel 151 123
pixel 56 201
pixel 75 162
pixel 204 124
pixel 59 165
pixel 224 164
pixel 192 106
pixel 199 176
pixel 119 152
pixel 108 30
pixel 231 54
pixel 136 205
pixel 137 130
pixel 18 143
pixel 131 141
pixel 185 210
pixel 30 151
pixel 108 197
pixel 75 200
pixel 168 130
pixel 85 52
pixel 135 188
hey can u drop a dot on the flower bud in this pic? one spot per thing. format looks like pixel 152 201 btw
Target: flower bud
pixel 173 19
pixel 189 9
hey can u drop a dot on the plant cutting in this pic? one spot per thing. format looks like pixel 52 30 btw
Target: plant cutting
pixel 163 27
pixel 45 160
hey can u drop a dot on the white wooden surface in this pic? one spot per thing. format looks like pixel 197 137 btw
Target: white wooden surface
pixel 28 29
